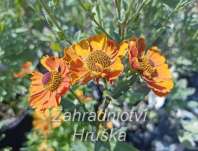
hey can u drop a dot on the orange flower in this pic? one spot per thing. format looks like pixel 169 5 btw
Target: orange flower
pixel 151 66
pixel 96 57
pixel 25 69
pixel 46 121
pixel 109 124
pixel 46 89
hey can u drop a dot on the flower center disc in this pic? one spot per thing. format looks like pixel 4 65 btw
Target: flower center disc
pixel 147 66
pixel 98 60
pixel 52 80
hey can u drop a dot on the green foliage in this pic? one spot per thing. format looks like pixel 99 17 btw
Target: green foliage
pixel 30 29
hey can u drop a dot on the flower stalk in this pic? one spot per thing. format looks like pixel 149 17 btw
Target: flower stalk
pixel 54 20
pixel 91 16
pixel 118 8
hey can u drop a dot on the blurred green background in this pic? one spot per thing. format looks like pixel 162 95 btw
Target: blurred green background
pixel 28 31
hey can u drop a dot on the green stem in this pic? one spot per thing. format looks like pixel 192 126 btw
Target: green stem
pixel 99 14
pixel 127 14
pixel 94 20
pixel 117 4
pixel 137 13
pixel 53 19
pixel 123 86
pixel 164 23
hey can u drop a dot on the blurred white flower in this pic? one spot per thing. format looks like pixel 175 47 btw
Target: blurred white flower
pixel 155 101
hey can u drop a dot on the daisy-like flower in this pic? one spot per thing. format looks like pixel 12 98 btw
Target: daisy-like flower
pixel 96 57
pixel 46 89
pixel 151 65
pixel 46 121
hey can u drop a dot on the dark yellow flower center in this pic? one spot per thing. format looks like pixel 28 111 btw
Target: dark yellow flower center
pixel 98 60
pixel 146 65
pixel 52 80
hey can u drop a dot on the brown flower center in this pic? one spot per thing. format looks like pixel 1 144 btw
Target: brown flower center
pixel 98 60
pixel 146 65
pixel 52 80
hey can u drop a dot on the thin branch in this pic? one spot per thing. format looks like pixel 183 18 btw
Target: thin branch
pixel 137 13
pixel 118 8
pixel 127 14
pixel 123 86
pixel 164 23
pixel 94 20
pixel 53 19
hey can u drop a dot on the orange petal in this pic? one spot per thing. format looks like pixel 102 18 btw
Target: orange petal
pixel 115 70
pixel 163 87
pixel 25 69
pixel 86 78
pixel 51 100
pixel 135 63
pixel 123 49
pixel 161 94
pixel 155 57
pixel 50 63
pixel 82 48
pixel 63 87
pixel 63 67
pixel 111 48
pixel 133 51
pixel 76 65
pixel 69 54
pixel 163 73
pixel 36 89
pixel 141 45
pixel 36 84
pixel 36 100
pixel 27 65
pixel 19 74
pixel 117 65
pixel 98 42
pixel 54 100
pixel 36 74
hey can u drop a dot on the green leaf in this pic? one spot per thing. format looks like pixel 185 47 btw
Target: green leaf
pixel 88 6
pixel 191 126
pixel 61 35
pixel 55 46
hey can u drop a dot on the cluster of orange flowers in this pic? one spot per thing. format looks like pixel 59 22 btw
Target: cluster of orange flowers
pixel 45 122
pixel 94 58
